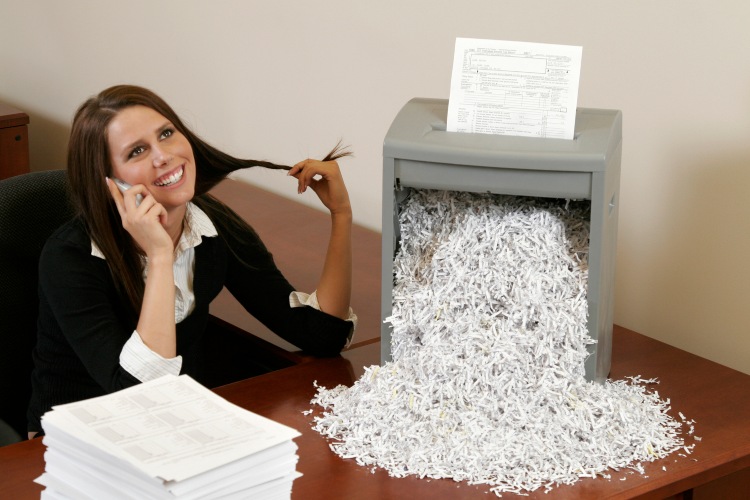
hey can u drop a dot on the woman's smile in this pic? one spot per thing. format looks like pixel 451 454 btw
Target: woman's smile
pixel 171 178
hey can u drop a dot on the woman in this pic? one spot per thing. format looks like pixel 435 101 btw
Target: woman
pixel 125 287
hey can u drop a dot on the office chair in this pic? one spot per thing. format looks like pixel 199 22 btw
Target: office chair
pixel 32 207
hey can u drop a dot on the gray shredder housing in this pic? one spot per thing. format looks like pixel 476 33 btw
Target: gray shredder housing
pixel 419 153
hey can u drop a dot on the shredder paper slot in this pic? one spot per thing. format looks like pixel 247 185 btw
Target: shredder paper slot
pixel 549 184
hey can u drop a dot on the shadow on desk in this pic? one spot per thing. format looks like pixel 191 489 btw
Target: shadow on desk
pixel 233 354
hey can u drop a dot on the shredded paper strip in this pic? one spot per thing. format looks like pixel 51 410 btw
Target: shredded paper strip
pixel 489 341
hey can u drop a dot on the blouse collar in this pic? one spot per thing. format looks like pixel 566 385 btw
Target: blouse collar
pixel 197 226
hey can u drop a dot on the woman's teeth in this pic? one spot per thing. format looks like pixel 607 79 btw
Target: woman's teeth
pixel 171 179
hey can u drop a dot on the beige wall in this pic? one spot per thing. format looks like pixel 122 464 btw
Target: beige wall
pixel 283 80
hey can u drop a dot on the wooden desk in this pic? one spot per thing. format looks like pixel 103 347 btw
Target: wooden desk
pixel 716 397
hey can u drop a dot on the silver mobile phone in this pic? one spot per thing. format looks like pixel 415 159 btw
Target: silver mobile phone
pixel 124 186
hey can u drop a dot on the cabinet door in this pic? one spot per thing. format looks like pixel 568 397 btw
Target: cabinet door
pixel 14 151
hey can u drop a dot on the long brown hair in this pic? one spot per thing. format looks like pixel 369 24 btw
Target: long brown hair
pixel 89 163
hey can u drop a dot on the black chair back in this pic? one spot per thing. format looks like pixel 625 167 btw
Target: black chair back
pixel 32 207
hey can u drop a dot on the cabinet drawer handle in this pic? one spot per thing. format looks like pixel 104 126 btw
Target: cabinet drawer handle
pixel 18 138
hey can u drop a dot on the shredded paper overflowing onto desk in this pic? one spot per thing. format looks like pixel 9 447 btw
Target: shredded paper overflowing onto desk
pixel 489 339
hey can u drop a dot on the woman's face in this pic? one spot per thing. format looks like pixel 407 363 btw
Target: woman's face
pixel 145 148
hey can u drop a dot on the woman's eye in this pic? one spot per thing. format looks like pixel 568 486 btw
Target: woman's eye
pixel 167 133
pixel 136 151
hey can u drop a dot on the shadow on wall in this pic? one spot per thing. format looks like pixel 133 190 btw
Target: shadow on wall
pixel 700 295
pixel 48 137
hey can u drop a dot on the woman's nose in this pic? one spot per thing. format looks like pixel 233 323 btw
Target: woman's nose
pixel 161 157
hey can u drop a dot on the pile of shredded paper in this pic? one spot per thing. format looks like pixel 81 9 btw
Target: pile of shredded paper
pixel 489 340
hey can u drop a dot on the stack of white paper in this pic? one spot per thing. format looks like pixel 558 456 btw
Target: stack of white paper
pixel 169 438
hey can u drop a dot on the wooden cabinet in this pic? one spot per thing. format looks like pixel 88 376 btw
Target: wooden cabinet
pixel 14 141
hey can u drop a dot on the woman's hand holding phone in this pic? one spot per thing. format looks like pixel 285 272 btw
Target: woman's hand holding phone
pixel 146 222
pixel 142 217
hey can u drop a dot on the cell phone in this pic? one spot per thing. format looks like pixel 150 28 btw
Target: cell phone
pixel 124 186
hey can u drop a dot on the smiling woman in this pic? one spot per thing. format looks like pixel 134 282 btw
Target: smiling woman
pixel 125 287
pixel 148 153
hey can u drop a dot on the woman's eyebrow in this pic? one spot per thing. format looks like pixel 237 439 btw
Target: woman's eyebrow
pixel 167 124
